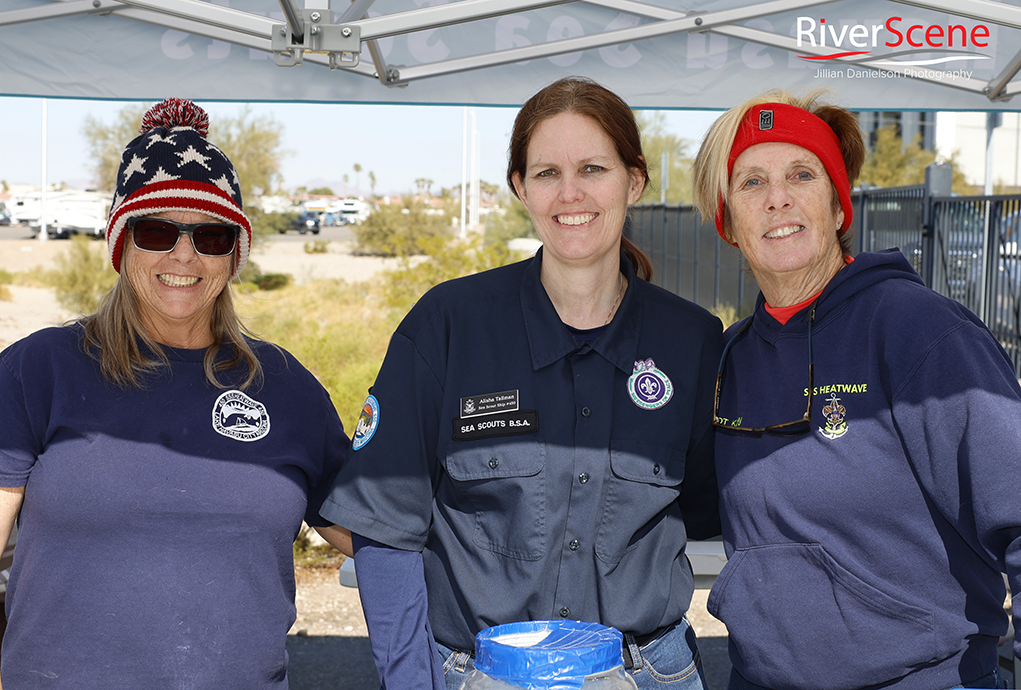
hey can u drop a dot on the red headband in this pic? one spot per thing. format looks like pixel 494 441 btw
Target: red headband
pixel 777 122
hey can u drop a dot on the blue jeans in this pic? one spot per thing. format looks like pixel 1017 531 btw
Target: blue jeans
pixel 991 681
pixel 672 659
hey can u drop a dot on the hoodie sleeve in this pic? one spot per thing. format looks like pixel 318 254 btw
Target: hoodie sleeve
pixel 958 412
pixel 700 496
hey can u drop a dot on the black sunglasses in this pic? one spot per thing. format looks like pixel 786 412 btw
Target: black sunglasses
pixel 795 428
pixel 162 235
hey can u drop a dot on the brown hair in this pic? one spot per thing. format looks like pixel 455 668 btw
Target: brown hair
pixel 711 178
pixel 116 337
pixel 583 97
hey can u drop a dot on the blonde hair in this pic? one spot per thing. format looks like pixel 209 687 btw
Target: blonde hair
pixel 116 337
pixel 711 178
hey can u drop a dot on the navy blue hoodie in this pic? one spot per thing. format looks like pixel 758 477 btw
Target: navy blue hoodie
pixel 868 552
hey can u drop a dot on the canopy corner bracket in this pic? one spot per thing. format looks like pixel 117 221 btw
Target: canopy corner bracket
pixel 994 91
pixel 341 42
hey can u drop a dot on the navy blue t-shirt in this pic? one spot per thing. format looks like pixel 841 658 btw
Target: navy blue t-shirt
pixel 154 546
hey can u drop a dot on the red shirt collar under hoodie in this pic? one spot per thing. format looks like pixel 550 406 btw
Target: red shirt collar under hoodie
pixel 784 314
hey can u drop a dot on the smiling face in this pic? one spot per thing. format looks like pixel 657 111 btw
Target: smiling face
pixel 577 190
pixel 782 215
pixel 176 290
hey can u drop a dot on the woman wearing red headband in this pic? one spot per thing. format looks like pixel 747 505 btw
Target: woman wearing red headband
pixel 867 536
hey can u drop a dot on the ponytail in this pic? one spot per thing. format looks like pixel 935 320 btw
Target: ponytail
pixel 641 263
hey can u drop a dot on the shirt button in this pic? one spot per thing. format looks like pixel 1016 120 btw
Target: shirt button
pixel 565 612
pixel 493 463
pixel 583 478
pixel 586 412
pixel 574 545
pixel 655 468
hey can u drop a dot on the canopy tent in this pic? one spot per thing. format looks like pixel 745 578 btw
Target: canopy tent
pixel 874 54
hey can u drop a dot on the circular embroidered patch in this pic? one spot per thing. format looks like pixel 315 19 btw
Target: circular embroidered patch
pixel 368 420
pixel 237 416
pixel 649 387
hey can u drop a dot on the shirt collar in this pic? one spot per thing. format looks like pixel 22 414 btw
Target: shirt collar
pixel 548 338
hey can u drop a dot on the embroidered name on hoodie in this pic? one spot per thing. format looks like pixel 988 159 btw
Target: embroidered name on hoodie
pixel 839 388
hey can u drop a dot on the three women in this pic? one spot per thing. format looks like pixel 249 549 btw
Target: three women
pixel 866 535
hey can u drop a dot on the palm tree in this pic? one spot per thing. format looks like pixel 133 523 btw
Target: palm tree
pixel 347 179
pixel 372 183
pixel 423 185
pixel 358 170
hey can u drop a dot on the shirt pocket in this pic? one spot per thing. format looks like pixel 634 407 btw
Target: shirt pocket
pixel 641 496
pixel 795 613
pixel 505 487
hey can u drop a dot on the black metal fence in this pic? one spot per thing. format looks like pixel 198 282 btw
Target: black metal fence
pixel 967 248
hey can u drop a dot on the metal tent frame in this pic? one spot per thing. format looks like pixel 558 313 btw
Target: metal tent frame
pixel 350 40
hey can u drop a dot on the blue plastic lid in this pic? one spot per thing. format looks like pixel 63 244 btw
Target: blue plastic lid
pixel 546 655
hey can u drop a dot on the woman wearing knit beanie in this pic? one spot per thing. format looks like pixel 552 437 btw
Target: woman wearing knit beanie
pixel 162 460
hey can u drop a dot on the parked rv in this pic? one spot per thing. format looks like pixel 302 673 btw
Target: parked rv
pixel 354 211
pixel 67 212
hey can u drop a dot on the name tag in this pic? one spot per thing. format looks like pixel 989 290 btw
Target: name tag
pixel 502 424
pixel 490 403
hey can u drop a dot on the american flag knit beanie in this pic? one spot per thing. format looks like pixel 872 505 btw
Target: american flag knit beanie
pixel 171 167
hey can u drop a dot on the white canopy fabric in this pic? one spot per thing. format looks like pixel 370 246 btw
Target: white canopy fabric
pixel 873 54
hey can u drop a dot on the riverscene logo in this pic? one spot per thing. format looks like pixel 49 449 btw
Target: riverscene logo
pixel 919 44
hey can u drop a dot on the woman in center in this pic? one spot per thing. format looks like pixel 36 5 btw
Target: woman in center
pixel 538 442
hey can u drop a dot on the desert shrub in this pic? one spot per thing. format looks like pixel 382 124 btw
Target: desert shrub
pixel 316 246
pixel 445 260
pixel 272 281
pixel 507 222
pixel 337 330
pixel 267 224
pixel 6 277
pixel 400 229
pixel 82 275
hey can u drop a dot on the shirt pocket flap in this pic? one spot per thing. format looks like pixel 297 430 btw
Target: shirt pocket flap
pixel 514 459
pixel 648 463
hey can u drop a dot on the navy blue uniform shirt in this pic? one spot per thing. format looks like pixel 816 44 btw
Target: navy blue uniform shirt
pixel 541 478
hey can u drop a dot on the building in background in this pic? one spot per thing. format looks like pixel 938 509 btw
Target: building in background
pixel 965 133
pixel 962 134
pixel 910 125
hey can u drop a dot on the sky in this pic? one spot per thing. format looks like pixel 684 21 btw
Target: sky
pixel 398 143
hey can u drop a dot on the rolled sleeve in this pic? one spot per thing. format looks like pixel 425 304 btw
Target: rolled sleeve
pixel 20 439
pixel 385 490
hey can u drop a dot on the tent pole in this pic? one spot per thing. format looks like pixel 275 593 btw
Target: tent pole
pixel 464 166
pixel 43 232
